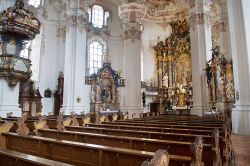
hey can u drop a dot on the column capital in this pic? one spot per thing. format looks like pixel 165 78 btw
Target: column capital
pixel 131 15
pixel 199 13
pixel 76 12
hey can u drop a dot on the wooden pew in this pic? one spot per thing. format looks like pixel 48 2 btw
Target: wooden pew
pixel 173 123
pixel 155 129
pixel 13 158
pixel 82 153
pixel 189 137
pixel 144 144
pixel 201 126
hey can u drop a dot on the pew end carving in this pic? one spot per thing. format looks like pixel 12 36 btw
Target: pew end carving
pixel 86 120
pixel 133 115
pixel 161 158
pixel 114 117
pixel 5 127
pixel 196 149
pixel 40 124
pixel 74 119
pixel 216 148
pixel 60 125
pixel 102 118
pixel 22 129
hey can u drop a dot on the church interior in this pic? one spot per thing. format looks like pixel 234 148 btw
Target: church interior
pixel 124 82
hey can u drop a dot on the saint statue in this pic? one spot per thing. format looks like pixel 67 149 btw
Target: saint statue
pixel 230 90
pixel 165 80
pixel 184 80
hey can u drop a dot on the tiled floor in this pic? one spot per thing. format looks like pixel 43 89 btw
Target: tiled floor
pixel 241 145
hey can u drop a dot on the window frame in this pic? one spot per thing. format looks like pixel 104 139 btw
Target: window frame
pixel 34 5
pixel 104 20
pixel 103 43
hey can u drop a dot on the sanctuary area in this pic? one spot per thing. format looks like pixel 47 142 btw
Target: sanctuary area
pixel 124 82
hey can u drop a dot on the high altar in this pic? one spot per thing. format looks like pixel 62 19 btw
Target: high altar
pixel 174 67
pixel 104 94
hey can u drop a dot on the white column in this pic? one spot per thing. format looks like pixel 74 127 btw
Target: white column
pixel 201 44
pixel 131 14
pixel 132 72
pixel 240 56
pixel 75 97
pixel 9 99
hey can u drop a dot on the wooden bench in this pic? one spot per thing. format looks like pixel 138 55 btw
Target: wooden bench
pixel 82 153
pixel 144 144
pixel 187 126
pixel 173 123
pixel 155 129
pixel 10 157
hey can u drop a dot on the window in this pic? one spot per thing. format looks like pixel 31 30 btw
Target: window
pixel 34 3
pixel 98 16
pixel 95 56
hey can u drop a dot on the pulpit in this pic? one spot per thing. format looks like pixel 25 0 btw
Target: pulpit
pixel 30 99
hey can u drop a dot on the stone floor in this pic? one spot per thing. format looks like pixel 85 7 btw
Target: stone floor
pixel 241 145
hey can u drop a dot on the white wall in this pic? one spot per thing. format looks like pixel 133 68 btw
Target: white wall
pixel 52 57
pixel 246 13
pixel 150 34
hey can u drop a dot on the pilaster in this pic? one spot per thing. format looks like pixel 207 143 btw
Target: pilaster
pixel 240 56
pixel 75 90
pixel 201 44
pixel 131 15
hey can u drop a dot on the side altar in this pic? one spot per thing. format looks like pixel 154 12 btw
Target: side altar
pixel 104 93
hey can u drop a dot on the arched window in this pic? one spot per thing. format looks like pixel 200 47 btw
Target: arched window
pixel 98 16
pixel 34 3
pixel 95 56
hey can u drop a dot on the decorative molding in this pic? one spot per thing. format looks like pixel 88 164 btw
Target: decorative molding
pixel 199 19
pixel 92 31
pixel 132 33
pixel 218 28
pixel 12 72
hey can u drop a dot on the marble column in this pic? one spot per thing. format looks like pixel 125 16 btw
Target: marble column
pixel 75 97
pixel 201 44
pixel 240 56
pixel 131 15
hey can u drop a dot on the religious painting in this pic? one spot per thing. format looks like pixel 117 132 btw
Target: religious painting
pixel 106 93
pixel 183 69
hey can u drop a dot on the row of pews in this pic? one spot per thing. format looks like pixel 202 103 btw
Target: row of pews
pixel 97 140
